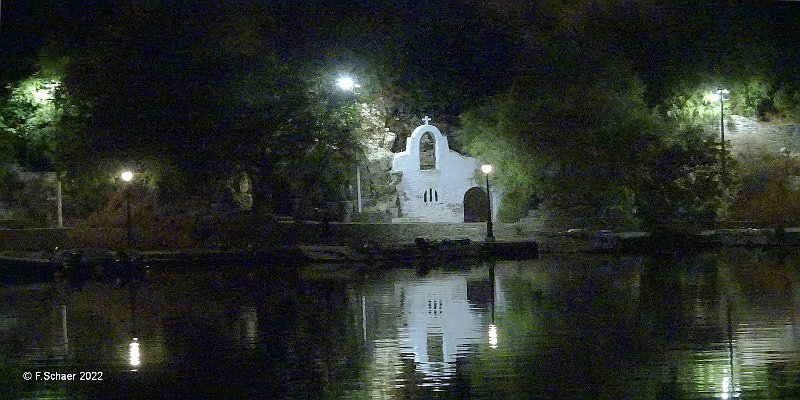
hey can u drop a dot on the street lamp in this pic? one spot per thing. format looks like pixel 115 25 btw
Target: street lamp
pixel 347 83
pixel 127 176
pixel 719 95
pixel 486 168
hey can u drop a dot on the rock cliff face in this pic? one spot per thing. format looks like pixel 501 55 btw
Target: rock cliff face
pixel 379 202
pixel 32 203
pixel 746 136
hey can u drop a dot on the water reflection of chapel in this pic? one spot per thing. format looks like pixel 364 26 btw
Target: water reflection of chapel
pixel 442 317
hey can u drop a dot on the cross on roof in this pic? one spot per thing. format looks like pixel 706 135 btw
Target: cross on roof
pixel 426 120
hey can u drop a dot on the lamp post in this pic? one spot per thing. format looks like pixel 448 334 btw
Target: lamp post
pixel 60 209
pixel 486 168
pixel 58 199
pixel 127 176
pixel 358 186
pixel 347 84
pixel 719 95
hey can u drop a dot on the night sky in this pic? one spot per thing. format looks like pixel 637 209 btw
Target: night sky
pixel 482 44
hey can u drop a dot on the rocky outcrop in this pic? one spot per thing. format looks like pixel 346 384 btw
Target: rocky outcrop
pixel 746 136
pixel 32 201
pixel 379 202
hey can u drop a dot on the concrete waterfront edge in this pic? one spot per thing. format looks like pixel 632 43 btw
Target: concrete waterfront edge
pixel 246 236
pixel 357 234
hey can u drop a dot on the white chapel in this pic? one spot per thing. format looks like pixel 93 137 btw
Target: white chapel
pixel 439 184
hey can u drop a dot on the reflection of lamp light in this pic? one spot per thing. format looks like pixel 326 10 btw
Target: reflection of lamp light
pixel 135 356
pixel 726 384
pixel 493 336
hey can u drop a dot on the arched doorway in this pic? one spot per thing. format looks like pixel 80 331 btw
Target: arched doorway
pixel 476 205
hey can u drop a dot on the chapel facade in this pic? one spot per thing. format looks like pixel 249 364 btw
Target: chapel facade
pixel 439 184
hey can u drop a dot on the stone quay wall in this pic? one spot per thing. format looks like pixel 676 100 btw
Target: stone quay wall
pixel 242 237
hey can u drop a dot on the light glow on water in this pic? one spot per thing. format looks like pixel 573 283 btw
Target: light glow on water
pixel 493 336
pixel 726 385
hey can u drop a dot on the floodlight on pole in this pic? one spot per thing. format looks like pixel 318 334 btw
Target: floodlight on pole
pixel 347 83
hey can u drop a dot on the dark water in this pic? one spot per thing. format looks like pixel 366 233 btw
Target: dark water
pixel 710 326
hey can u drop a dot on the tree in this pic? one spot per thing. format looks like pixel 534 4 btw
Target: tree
pixel 200 93
pixel 579 145
pixel 28 119
pixel 682 185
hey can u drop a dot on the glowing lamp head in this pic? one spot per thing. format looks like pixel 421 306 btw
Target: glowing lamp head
pixel 717 95
pixel 134 354
pixel 44 92
pixel 346 83
pixel 42 95
pixel 486 168
pixel 126 176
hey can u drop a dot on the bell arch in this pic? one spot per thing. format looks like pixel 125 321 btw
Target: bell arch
pixel 427 151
